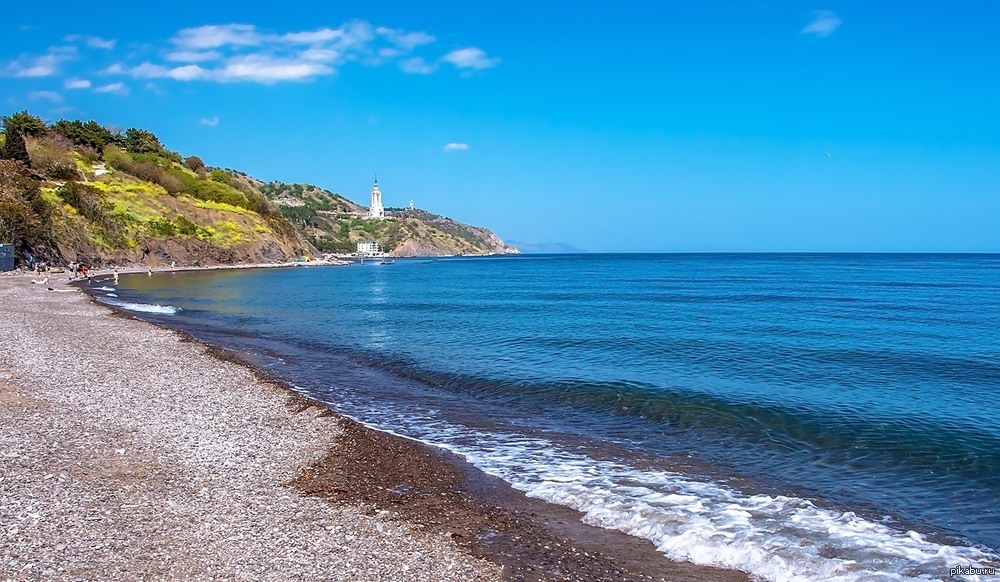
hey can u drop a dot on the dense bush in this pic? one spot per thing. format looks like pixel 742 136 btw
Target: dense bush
pixel 92 205
pixel 298 214
pixel 144 169
pixel 216 192
pixel 88 134
pixel 24 214
pixel 140 141
pixel 24 123
pixel 14 147
pixel 185 226
pixel 194 163
pixel 50 155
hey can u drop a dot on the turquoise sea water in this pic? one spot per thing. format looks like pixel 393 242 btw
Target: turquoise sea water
pixel 795 416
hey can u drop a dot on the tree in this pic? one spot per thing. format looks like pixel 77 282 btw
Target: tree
pixel 24 123
pixel 91 133
pixel 140 141
pixel 194 163
pixel 15 148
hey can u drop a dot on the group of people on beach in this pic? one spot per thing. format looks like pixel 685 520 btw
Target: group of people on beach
pixel 78 270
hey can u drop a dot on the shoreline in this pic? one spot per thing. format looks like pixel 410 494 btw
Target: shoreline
pixel 426 493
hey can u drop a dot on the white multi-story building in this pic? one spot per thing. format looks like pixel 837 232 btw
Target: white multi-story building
pixel 369 248
pixel 376 210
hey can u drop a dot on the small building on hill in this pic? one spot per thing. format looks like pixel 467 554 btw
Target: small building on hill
pixel 369 248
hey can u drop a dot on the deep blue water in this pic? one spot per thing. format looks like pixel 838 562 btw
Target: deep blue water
pixel 819 415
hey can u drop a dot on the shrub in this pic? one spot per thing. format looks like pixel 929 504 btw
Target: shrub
pixel 185 226
pixel 140 141
pixel 143 168
pixel 63 171
pixel 49 155
pixel 194 163
pixel 219 176
pixel 162 227
pixel 14 147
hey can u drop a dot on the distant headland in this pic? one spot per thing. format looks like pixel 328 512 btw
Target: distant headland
pixel 80 191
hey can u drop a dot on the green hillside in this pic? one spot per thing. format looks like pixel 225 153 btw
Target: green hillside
pixel 75 190
pixel 332 223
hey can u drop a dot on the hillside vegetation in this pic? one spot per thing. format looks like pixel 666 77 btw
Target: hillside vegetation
pixel 76 190
pixel 332 223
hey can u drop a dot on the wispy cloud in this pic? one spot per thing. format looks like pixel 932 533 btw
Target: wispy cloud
pixel 77 84
pixel 41 65
pixel 45 95
pixel 193 56
pixel 823 24
pixel 118 88
pixel 245 53
pixel 456 147
pixel 209 37
pixel 470 58
pixel 92 41
pixel 416 66
pixel 209 121
pixel 407 41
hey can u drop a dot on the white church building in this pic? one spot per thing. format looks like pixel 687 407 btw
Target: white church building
pixel 376 210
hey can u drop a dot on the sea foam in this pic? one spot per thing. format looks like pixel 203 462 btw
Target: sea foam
pixel 140 307
pixel 773 537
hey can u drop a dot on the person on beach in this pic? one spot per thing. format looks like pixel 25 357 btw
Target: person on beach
pixel 173 264
pixel 116 276
pixel 149 271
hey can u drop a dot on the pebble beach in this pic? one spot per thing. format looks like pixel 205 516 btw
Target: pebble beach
pixel 133 452
pixel 129 453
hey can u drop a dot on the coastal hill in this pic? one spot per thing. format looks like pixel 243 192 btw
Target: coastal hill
pixel 79 191
pixel 333 223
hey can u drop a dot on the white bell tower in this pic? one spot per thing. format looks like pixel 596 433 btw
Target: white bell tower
pixel 376 210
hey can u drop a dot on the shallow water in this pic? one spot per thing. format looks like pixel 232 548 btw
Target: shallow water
pixel 825 416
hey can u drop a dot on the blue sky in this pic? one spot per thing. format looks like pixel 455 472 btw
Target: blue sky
pixel 627 126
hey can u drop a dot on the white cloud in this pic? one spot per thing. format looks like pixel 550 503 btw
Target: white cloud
pixel 182 73
pixel 320 55
pixel 40 66
pixel 246 53
pixel 405 40
pixel 209 121
pixel 187 73
pixel 92 41
pixel 416 66
pixel 267 69
pixel 193 56
pixel 46 95
pixel 77 84
pixel 119 88
pixel 824 23
pixel 208 37
pixel 321 35
pixel 98 42
pixel 470 58
pixel 456 147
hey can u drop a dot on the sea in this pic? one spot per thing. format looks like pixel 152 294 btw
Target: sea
pixel 794 416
